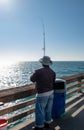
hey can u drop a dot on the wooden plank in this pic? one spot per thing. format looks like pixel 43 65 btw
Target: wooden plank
pixel 75 97
pixel 16 93
pixel 73 78
pixel 17 106
pixel 20 115
pixel 73 86
pixel 24 124
pixel 74 91
pixel 12 91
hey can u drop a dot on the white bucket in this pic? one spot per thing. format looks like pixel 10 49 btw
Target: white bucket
pixel 3 124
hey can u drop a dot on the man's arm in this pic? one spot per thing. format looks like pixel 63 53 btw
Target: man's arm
pixel 33 77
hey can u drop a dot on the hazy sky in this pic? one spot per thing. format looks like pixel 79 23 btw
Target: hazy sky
pixel 21 30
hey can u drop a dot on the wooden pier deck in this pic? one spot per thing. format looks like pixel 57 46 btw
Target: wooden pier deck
pixel 73 119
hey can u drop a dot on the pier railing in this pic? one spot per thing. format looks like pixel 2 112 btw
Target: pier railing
pixel 18 102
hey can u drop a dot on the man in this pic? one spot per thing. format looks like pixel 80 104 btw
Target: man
pixel 44 78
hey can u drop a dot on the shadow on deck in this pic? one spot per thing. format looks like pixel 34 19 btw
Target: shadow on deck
pixel 73 119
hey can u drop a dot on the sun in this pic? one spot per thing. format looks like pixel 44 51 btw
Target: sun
pixel 4 2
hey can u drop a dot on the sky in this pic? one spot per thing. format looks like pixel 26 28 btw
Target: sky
pixel 23 22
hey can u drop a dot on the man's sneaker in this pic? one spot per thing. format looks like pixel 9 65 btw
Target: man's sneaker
pixel 47 125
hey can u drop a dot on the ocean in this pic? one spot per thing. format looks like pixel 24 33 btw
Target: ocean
pixel 18 74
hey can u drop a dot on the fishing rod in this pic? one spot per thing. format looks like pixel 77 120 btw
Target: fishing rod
pixel 43 37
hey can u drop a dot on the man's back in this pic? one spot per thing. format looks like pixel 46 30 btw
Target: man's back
pixel 44 79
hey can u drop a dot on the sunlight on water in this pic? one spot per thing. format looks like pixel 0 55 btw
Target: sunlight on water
pixel 8 74
pixel 16 74
pixel 6 63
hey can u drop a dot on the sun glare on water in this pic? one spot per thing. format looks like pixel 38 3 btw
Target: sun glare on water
pixel 5 63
